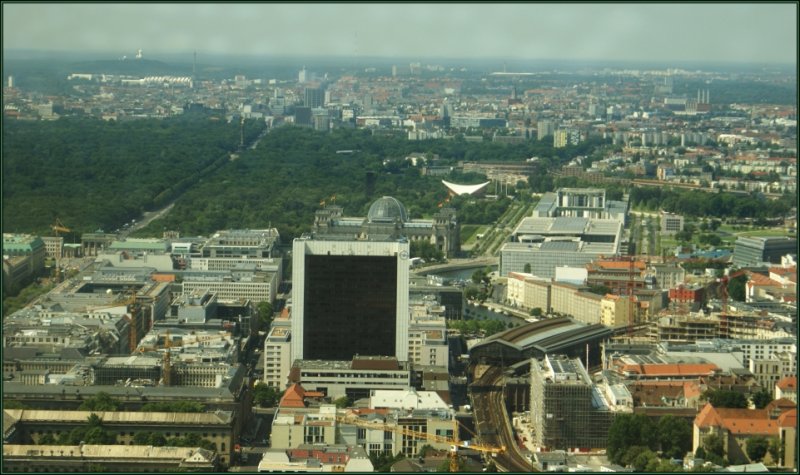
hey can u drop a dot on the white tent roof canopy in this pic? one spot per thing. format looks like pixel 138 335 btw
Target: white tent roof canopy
pixel 464 189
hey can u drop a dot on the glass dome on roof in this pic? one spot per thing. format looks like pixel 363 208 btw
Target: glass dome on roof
pixel 387 210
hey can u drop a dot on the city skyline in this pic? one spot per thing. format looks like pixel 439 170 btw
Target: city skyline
pixel 739 33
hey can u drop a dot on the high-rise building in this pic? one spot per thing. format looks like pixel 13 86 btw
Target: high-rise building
pixel 302 76
pixel 545 128
pixel 303 116
pixel 671 223
pixel 314 97
pixel 350 298
pixel 560 137
pixel 752 251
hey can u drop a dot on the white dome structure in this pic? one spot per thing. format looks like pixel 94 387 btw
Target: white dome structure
pixel 387 210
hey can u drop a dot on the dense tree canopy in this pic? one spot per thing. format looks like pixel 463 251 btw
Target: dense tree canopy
pixel 265 396
pixel 757 448
pixel 294 171
pixel 102 401
pixel 176 406
pixel 95 174
pixel 700 203
pixel 725 398
pixel 629 430
pixel 675 436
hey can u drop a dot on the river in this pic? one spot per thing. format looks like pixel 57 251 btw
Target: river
pixel 460 274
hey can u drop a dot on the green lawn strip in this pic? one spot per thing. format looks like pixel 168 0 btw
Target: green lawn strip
pixel 468 232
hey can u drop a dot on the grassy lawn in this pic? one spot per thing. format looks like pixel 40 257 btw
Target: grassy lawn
pixel 764 232
pixel 668 243
pixel 469 232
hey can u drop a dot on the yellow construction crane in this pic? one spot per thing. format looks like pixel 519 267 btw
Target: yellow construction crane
pixel 454 443
pixel 167 363
pixel 58 227
pixel 133 331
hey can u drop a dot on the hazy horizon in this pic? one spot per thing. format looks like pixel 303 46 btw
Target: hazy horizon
pixel 618 33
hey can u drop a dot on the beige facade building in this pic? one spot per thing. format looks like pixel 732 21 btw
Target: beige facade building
pixel 113 458
pixel 215 427
pixel 278 354
pixel 569 299
pixel 616 311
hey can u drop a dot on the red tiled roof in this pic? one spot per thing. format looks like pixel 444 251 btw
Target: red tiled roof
pixel 787 383
pixel 783 270
pixel 678 369
pixel 737 421
pixel 760 280
pixel 293 397
pixel 638 265
pixel 781 404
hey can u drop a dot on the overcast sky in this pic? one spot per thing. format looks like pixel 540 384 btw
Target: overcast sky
pixel 619 32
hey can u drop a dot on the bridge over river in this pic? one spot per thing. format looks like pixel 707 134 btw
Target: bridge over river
pixel 457 264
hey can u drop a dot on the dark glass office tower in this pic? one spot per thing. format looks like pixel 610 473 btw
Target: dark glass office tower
pixel 350 297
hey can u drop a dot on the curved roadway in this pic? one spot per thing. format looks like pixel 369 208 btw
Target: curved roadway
pixel 492 423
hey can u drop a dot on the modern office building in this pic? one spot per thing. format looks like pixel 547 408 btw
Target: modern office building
pixel 245 281
pixel 545 128
pixel 354 379
pixel 278 353
pixel 242 243
pixel 572 227
pixel 349 298
pixel 753 251
pixel 671 223
pixel 547 243
pixel 564 137
pixel 314 97
pixel 387 219
pixel 580 203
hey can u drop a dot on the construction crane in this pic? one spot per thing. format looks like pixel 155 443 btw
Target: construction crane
pixel 167 364
pixel 631 284
pixel 723 289
pixel 454 443
pixel 132 307
pixel 58 227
